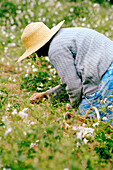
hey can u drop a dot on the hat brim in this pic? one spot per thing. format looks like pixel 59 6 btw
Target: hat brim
pixel 42 43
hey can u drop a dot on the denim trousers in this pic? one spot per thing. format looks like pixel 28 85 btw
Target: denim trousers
pixel 102 99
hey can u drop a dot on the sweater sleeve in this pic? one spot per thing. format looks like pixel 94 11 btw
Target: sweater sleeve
pixel 64 63
pixel 58 93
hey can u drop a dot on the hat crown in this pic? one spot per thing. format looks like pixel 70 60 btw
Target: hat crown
pixel 34 33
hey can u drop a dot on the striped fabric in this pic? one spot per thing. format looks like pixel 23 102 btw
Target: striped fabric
pixel 80 56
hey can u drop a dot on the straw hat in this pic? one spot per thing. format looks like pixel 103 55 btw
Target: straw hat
pixel 36 35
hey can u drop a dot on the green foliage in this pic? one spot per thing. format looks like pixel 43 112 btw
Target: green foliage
pixel 39 80
pixel 7 7
pixel 34 136
pixel 99 1
pixel 102 1
pixel 30 82
pixel 3 97
pixel 105 144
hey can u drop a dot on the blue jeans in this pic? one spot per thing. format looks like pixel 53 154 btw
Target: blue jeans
pixel 102 99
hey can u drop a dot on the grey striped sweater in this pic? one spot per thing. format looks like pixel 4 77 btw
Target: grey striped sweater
pixel 80 56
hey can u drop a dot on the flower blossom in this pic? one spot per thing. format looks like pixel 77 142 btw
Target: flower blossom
pixel 22 113
pixel 8 131
pixel 82 131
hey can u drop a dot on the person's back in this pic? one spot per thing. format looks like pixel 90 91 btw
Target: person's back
pixel 92 54
pixel 83 59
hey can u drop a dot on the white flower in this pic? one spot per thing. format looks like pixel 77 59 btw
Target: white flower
pixel 33 66
pixel 32 123
pixel 88 25
pixel 8 106
pixel 14 80
pixel 2 59
pixel 22 113
pixel 11 45
pixel 18 11
pixel 78 144
pixel 83 24
pixel 74 128
pixel 8 131
pixel 38 88
pixel 6 35
pixel 85 140
pixel 30 12
pixel 5 49
pixel 13 27
pixel 8 63
pixel 110 106
pixel 27 70
pixel 87 131
pixel 37 141
pixel 58 5
pixel 82 131
pixel 43 19
pixel 96 5
pixel 21 30
pixel 41 85
pixel 25 109
pixel 4 118
pixel 24 133
pixel 47 58
pixel 35 69
pixel 71 9
pixel 96 124
pixel 49 66
pixel 79 135
pixel 29 63
pixel 52 70
pixel 32 145
pixel 84 19
pixel 107 18
pixel 104 118
pixel 26 75
pixel 10 79
pixel 26 16
pixel 107 34
pixel 14 112
pixel 56 13
pixel 68 105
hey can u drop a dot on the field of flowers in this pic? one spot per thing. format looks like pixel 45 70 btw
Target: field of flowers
pixel 35 136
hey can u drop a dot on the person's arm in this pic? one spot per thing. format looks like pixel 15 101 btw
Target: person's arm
pixel 58 93
pixel 64 63
pixel 38 97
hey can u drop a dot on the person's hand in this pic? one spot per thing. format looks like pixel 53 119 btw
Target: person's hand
pixel 37 97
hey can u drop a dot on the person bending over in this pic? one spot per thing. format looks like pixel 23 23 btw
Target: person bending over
pixel 83 59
